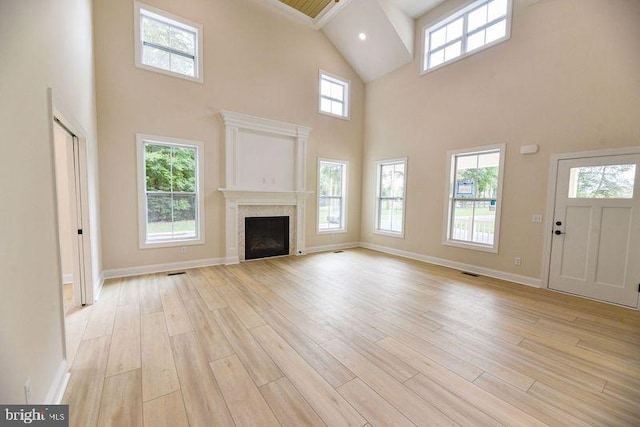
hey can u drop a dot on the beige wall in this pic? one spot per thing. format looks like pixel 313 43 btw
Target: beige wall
pixel 567 80
pixel 256 62
pixel 42 44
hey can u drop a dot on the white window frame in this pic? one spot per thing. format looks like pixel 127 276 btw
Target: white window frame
pixel 464 11
pixel 175 21
pixel 376 219
pixel 346 84
pixel 344 197
pixel 141 139
pixel 449 198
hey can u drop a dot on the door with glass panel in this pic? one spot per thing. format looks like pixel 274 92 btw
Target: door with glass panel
pixel 595 251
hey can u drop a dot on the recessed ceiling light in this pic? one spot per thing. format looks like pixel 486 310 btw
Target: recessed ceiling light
pixel 362 36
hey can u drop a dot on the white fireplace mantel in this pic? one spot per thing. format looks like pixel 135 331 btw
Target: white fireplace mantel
pixel 265 165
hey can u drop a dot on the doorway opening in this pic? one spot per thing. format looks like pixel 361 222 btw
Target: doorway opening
pixel 71 185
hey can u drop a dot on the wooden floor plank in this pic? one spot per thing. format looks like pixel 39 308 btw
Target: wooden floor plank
pixel 202 397
pixel 159 375
pixel 246 404
pixel 150 301
pixel 261 367
pixel 419 411
pixel 124 354
pixel 166 411
pixel 371 405
pixel 288 405
pixel 330 406
pixel 84 392
pixel 175 314
pixel 122 400
pixel 212 339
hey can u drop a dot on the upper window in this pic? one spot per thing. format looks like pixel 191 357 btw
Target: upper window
pixel 167 44
pixel 474 198
pixel 334 96
pixel 391 182
pixel 478 26
pixel 169 184
pixel 332 193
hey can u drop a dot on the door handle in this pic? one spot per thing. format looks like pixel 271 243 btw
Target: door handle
pixel 558 232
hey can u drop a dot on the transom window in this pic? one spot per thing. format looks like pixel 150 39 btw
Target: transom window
pixel 478 26
pixel 168 44
pixel 169 180
pixel 334 96
pixel 332 190
pixel 391 180
pixel 474 198
pixel 602 182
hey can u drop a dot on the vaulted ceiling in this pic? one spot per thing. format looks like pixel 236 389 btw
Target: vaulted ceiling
pixel 374 36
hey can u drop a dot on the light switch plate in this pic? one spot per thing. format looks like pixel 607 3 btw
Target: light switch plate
pixel 537 218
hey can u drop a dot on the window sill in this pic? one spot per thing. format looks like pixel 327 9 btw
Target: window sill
pixel 171 244
pixel 331 231
pixel 199 79
pixel 389 233
pixel 472 246
pixel 337 116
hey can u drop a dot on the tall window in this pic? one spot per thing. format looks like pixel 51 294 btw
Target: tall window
pixel 332 193
pixel 474 199
pixel 478 26
pixel 392 176
pixel 169 181
pixel 334 96
pixel 168 44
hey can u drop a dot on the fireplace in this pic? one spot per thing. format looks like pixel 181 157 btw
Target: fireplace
pixel 266 236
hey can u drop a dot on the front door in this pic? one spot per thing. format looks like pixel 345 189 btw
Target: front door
pixel 595 251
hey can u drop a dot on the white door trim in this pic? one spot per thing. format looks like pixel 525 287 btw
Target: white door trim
pixel 551 197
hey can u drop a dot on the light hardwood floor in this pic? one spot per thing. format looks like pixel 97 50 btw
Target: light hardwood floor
pixel 353 338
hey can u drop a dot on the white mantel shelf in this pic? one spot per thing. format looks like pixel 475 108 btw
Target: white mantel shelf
pixel 260 197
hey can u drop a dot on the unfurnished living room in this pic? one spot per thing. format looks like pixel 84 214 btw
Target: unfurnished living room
pixel 320 212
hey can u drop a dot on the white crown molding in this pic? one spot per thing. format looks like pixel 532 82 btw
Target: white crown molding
pixel 246 121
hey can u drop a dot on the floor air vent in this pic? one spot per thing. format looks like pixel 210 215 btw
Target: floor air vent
pixel 337 252
pixel 176 273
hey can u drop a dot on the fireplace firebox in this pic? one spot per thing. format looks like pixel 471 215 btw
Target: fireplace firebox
pixel 266 236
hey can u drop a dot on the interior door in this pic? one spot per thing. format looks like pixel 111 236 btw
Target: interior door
pixel 595 250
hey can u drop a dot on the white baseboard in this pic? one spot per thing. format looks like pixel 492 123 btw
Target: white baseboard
pixel 160 268
pixel 59 385
pixel 496 274
pixel 328 248
pixel 97 287
pixel 67 279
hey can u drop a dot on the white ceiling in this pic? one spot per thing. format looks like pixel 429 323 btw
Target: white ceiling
pixel 388 24
pixel 384 49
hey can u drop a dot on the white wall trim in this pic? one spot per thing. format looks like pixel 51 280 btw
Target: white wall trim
pixel 496 274
pixel 160 268
pixel 67 279
pixel 336 247
pixel 59 385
